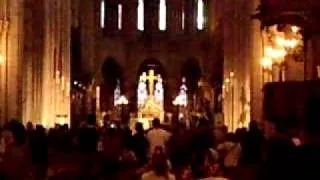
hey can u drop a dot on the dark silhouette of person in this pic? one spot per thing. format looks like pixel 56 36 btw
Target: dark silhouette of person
pixel 39 151
pixel 88 141
pixel 251 145
pixel 280 151
pixel 140 144
pixel 308 155
pixel 88 136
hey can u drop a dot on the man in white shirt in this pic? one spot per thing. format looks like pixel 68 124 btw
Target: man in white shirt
pixel 157 136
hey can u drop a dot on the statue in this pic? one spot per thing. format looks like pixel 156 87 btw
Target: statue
pixel 117 94
pixel 158 92
pixel 142 91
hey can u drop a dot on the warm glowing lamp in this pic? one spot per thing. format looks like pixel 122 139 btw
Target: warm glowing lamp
pixel 231 74
pixel 122 100
pixel 1 59
pixel 295 29
pixel 266 63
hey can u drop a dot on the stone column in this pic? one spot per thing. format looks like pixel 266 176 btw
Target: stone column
pixel 129 17
pixel 175 8
pixel 111 9
pixel 88 31
pixel 32 58
pixel 191 16
pixel 56 63
pixel 4 27
pixel 312 61
pixel 256 96
pixel 151 11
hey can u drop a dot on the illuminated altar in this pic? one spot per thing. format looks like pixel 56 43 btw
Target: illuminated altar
pixel 150 97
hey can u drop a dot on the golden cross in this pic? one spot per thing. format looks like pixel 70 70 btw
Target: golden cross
pixel 151 79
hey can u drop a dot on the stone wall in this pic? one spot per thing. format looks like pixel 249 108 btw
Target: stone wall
pixel 130 47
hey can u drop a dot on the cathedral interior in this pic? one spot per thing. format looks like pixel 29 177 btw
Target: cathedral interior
pixel 64 59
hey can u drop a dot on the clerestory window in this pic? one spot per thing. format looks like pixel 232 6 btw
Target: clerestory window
pixel 162 15
pixel 140 23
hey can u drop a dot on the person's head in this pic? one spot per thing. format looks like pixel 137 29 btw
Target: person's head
pixel 159 165
pixel 253 125
pixel 156 123
pixel 91 120
pixel 127 132
pixel 8 137
pixel 269 129
pixel 312 118
pixel 66 127
pixel 111 131
pixel 220 134
pixel 29 126
pixel 40 129
pixel 139 127
pixel 202 163
pixel 18 132
pixel 203 122
pixel 279 125
pixel 231 137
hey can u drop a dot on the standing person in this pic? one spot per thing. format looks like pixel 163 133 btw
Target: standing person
pixel 307 155
pixel 88 140
pixel 39 151
pixel 157 136
pixel 140 144
pixel 88 136
pixel 280 152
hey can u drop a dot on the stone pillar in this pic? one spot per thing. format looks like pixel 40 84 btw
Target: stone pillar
pixel 32 58
pixel 4 28
pixel 151 11
pixel 191 16
pixel 75 5
pixel 88 30
pixel 111 9
pixel 312 61
pixel 256 95
pixel 175 8
pixel 56 64
pixel 129 17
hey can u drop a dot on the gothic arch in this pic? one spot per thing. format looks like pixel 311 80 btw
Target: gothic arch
pixel 152 63
pixel 111 72
pixel 191 70
pixel 159 68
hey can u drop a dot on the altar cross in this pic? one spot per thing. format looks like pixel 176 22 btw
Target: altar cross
pixel 151 78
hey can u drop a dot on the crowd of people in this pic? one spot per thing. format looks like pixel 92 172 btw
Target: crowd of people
pixel 205 152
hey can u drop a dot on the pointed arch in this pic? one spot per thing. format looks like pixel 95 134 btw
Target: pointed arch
pixel 192 72
pixel 111 74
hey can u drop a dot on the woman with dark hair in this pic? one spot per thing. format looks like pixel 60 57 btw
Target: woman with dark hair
pixel 159 169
